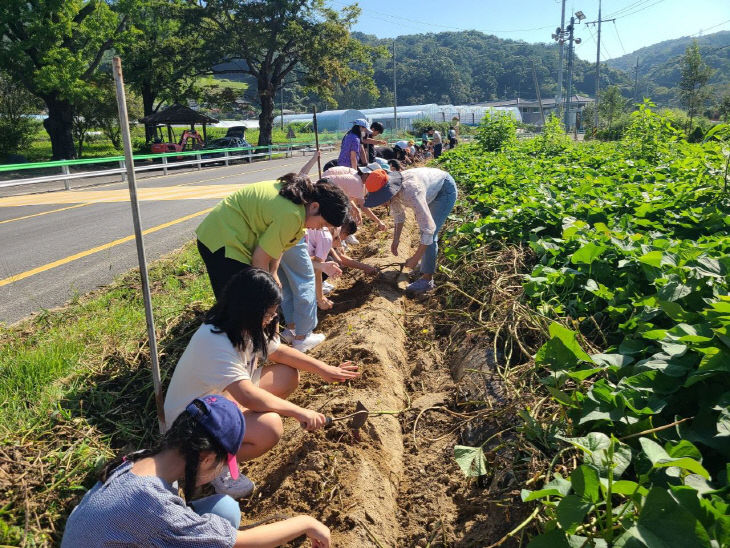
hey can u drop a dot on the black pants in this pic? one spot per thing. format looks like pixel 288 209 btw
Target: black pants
pixel 220 268
pixel 437 150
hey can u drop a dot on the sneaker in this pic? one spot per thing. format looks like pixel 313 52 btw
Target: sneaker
pixel 352 240
pixel 239 488
pixel 327 287
pixel 420 286
pixel 307 343
pixel 287 336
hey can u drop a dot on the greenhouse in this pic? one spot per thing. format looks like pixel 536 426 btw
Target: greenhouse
pixel 328 120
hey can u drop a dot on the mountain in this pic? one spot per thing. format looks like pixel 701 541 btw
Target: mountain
pixel 659 68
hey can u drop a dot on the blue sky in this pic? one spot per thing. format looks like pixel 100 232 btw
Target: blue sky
pixel 638 23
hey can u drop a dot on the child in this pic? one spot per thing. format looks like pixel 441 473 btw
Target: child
pixel 319 243
pixel 337 252
pixel 135 504
pixel 225 356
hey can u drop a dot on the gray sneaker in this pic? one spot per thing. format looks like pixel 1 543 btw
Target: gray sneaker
pixel 239 488
pixel 420 286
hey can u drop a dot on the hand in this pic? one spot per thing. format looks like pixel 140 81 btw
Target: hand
pixel 382 226
pixel 394 247
pixel 331 268
pixel 318 533
pixel 371 270
pixel 343 372
pixel 311 420
pixel 411 262
pixel 324 303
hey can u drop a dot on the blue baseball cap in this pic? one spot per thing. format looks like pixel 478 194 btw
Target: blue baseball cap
pixel 223 420
pixel 361 122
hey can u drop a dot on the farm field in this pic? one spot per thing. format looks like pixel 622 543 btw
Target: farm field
pixel 567 385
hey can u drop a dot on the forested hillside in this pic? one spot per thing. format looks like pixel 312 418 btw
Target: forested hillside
pixel 659 65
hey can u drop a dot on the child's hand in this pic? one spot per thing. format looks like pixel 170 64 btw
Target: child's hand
pixel 318 533
pixel 311 420
pixel 331 269
pixel 382 226
pixel 324 303
pixel 345 371
pixel 371 270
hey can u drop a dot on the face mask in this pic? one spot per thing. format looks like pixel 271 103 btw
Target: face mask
pixel 363 133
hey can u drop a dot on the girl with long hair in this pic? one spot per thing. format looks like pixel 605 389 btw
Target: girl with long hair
pixel 225 355
pixel 253 226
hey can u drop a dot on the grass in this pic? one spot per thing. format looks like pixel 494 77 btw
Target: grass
pixel 75 388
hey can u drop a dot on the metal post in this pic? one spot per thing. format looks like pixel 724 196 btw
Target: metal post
pixel 123 166
pixel 559 96
pixel 269 152
pixel 127 141
pixel 66 182
pixel 316 139
pixel 636 82
pixel 198 158
pixel 226 155
pixel 598 65
pixel 164 165
pixel 395 97
pixel 570 75
pixel 282 106
pixel 537 91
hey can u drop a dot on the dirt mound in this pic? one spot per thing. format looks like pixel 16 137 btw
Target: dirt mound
pixel 394 482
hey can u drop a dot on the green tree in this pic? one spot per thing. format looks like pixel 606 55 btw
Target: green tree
pixel 612 104
pixel 171 49
pixel 16 129
pixel 695 74
pixel 54 48
pixel 299 39
pixel 724 108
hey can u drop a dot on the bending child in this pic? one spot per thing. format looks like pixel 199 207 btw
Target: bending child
pixel 225 355
pixel 135 504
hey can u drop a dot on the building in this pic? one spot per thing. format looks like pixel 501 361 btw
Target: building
pixel 530 108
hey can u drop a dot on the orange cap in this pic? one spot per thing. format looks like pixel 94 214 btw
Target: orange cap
pixel 376 180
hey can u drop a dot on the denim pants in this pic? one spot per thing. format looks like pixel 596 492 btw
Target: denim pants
pixel 440 208
pixel 299 300
pixel 220 505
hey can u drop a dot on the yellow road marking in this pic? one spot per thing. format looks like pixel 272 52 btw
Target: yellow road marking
pixel 43 213
pixel 200 192
pixel 82 254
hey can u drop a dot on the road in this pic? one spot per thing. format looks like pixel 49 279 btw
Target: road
pixel 57 245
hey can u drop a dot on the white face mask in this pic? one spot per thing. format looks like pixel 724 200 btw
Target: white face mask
pixel 363 133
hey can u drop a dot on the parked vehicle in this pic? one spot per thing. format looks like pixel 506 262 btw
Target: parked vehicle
pixel 224 142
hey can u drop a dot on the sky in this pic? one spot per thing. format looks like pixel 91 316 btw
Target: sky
pixel 639 23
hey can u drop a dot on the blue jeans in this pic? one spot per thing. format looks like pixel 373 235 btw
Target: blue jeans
pixel 299 299
pixel 440 208
pixel 220 505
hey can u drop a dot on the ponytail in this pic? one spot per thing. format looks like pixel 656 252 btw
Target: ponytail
pixel 333 203
pixel 186 436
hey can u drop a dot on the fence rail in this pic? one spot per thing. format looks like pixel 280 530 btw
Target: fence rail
pixel 201 157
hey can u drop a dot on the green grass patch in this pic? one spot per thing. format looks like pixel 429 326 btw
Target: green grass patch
pixel 75 387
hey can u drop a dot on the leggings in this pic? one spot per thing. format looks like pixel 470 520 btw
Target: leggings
pixel 220 505
pixel 220 268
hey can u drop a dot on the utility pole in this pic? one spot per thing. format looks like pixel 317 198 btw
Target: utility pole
pixel 636 82
pixel 570 74
pixel 559 95
pixel 395 96
pixel 537 91
pixel 598 58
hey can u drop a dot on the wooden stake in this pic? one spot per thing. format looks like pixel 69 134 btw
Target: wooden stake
pixel 129 161
pixel 316 139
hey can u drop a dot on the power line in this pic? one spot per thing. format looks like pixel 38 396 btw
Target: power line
pixel 628 7
pixel 642 8
pixel 619 37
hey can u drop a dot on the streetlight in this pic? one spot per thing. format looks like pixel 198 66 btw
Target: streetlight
pixel 569 98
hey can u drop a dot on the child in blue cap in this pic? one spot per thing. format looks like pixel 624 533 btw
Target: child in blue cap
pixel 134 502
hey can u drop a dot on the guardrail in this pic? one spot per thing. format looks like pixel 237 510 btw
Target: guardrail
pixel 225 155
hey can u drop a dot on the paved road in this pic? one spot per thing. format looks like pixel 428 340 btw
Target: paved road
pixel 60 244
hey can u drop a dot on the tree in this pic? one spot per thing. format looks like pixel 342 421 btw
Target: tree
pixel 54 47
pixel 724 108
pixel 300 40
pixel 612 104
pixel 695 74
pixel 16 129
pixel 171 49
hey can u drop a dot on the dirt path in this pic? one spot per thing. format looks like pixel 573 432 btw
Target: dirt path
pixel 395 482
